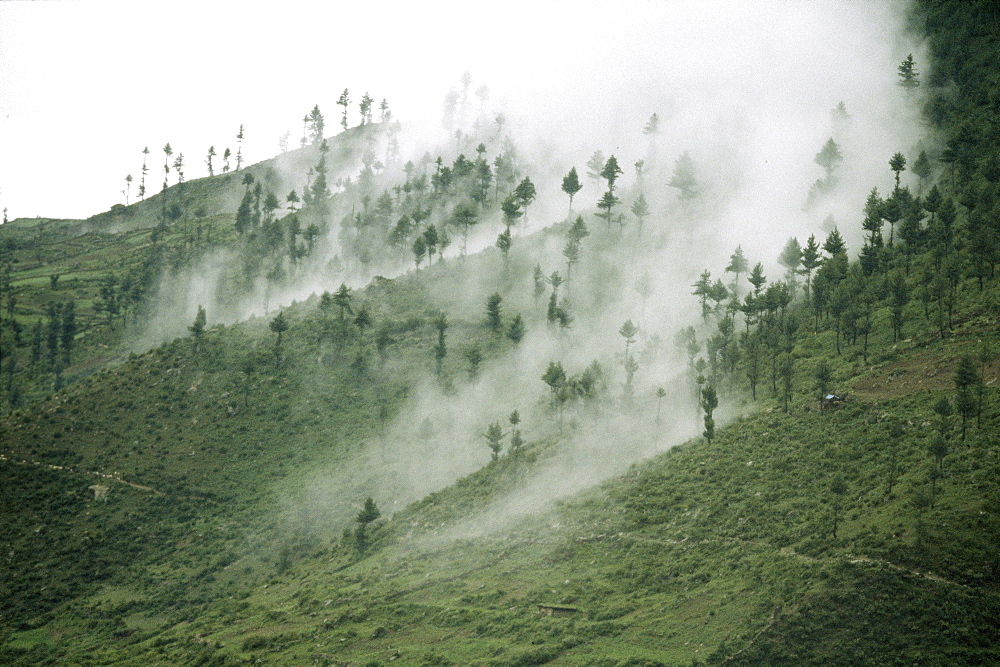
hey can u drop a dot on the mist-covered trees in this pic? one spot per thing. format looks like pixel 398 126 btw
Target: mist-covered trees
pixel 685 178
pixel 365 109
pixel 640 209
pixel 737 265
pixel 595 165
pixel 922 169
pixel 494 439
pixel 494 318
pixel 239 148
pixel 167 152
pixel 316 125
pixel 610 173
pixel 908 76
pixel 524 194
pixel 145 170
pixel 441 348
pixel 344 100
pixel 368 515
pixel 571 251
pixel 829 157
pixel 197 329
pixel 791 259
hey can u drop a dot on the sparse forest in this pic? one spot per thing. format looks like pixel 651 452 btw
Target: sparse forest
pixel 354 404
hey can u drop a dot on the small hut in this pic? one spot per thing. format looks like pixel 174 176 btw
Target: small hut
pixel 555 610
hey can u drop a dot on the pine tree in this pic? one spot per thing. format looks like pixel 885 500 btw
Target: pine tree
pixel 737 264
pixel 344 101
pixel 652 127
pixel 208 160
pixel 493 316
pixel 167 152
pixel 829 157
pixel 834 244
pixel 571 185
pixel 757 278
pixel 811 259
pixel 441 349
pixel 197 329
pixel 278 325
pixel 684 178
pixel 511 209
pixel 967 382
pixel 908 75
pixel 898 164
pixel 922 168
pixel 239 148
pixel 516 330
pixel 366 109
pixel 791 259
pixel 494 439
pixel 524 193
pixel 628 331
pixel 504 243
pixel 419 249
pixel 640 209
pixel 611 172
pixel 317 125
pixel 709 402
pixel 67 331
pixel 369 514
pixel 145 170
pixel 342 299
pixel 539 279
pixel 594 165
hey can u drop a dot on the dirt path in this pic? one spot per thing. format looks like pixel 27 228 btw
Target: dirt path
pixel 784 551
pixel 899 568
pixel 99 475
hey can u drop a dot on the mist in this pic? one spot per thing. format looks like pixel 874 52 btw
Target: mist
pixel 747 92
pixel 749 97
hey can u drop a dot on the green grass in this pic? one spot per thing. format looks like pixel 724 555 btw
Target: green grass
pixel 234 480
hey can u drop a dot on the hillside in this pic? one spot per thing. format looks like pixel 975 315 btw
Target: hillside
pixel 575 446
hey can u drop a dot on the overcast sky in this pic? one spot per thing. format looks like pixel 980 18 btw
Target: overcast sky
pixel 85 85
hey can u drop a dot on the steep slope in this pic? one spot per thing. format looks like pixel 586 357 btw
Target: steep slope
pixel 204 503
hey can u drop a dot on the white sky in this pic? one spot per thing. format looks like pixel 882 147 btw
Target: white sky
pixel 85 85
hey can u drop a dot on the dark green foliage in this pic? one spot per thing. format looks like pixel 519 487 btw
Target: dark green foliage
pixel 829 157
pixel 494 318
pixel 516 330
pixel 967 383
pixel 571 185
pixel 494 439
pixel 279 325
pixel 908 75
pixel 475 357
pixel 774 540
pixel 197 329
pixel 504 243
pixel 709 402
pixel 441 348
